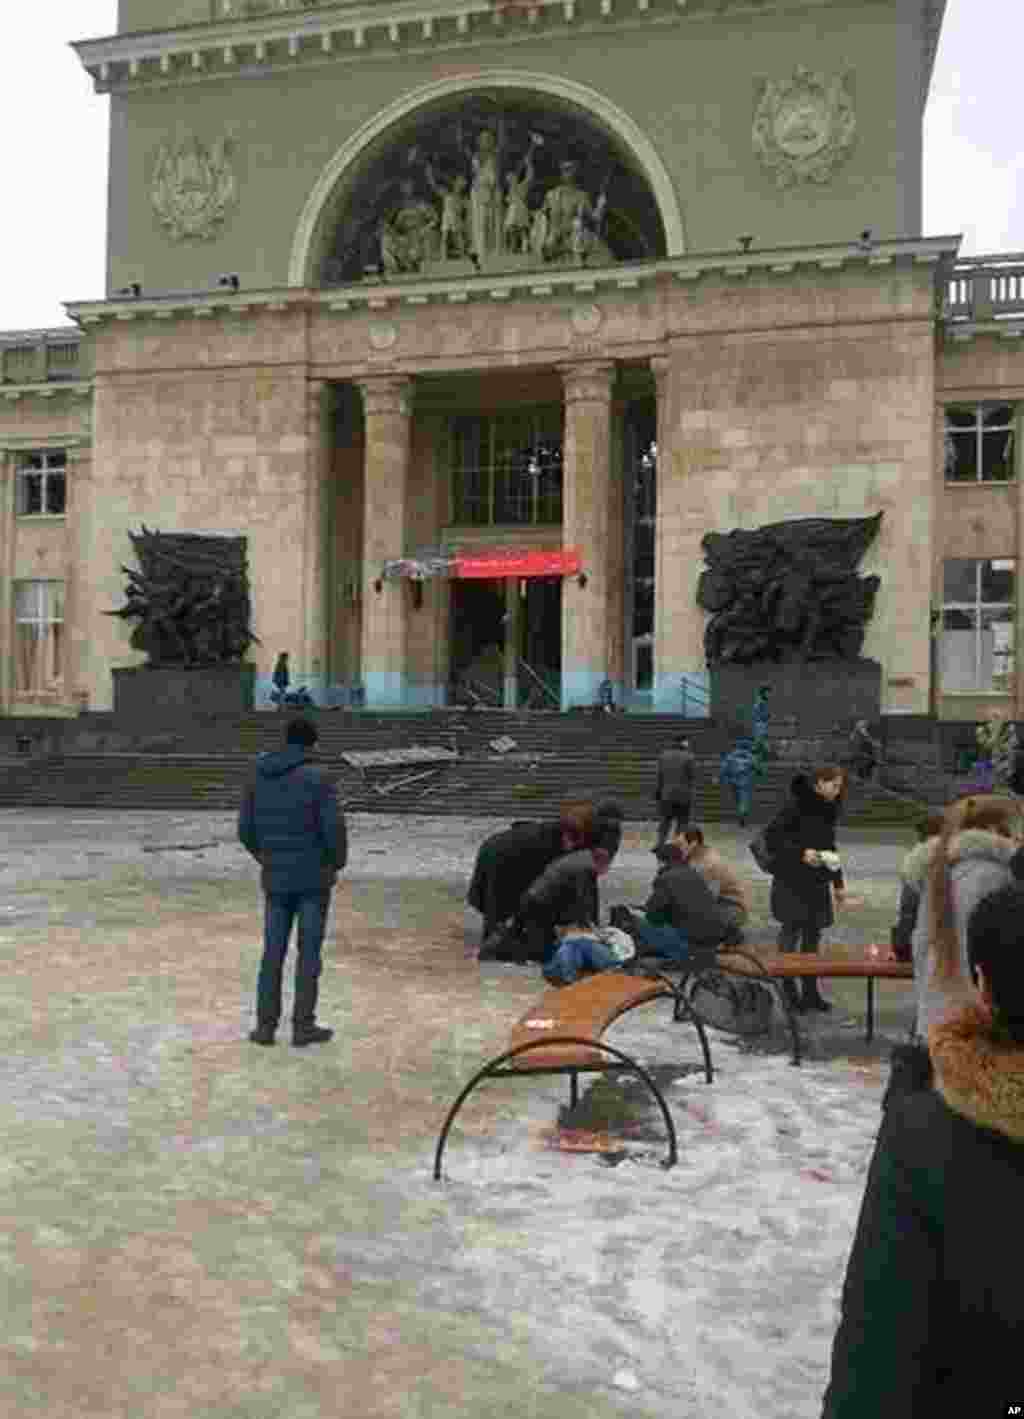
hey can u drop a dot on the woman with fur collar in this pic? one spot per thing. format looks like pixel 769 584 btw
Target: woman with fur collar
pixel 802 881
pixel 968 860
pixel 932 1305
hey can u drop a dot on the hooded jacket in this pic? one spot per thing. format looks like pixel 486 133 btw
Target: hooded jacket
pixel 932 1306
pixel 913 878
pixel 979 863
pixel 291 823
pixel 800 894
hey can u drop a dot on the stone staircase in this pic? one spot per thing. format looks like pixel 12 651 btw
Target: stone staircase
pixel 555 756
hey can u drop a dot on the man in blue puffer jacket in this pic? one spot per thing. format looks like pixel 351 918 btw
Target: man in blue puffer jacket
pixel 291 823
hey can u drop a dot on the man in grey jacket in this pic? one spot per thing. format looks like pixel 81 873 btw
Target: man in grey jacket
pixel 291 823
pixel 674 790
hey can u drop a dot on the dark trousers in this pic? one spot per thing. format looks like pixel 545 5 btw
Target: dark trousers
pixel 281 910
pixel 674 816
pixel 796 936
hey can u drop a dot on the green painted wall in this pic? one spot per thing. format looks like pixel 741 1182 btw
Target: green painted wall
pixel 691 87
pixel 135 15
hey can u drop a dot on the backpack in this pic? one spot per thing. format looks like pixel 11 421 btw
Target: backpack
pixel 760 851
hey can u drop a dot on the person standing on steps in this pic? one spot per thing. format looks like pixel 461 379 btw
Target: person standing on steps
pixel 801 840
pixel 292 825
pixel 738 769
pixel 281 679
pixel 673 791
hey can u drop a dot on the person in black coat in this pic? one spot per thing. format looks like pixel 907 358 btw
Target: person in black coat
pixel 507 862
pixel 802 882
pixel 932 1304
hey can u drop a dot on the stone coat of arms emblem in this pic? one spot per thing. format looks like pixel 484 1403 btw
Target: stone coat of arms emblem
pixel 193 188
pixel 804 127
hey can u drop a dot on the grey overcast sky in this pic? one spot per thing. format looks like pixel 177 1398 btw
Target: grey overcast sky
pixel 54 175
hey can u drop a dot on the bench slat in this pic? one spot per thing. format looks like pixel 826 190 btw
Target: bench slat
pixel 791 963
pixel 585 1008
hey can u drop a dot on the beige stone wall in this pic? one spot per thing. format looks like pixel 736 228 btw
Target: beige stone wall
pixel 797 399
pixel 690 85
pixel 38 548
pixel 134 15
pixel 980 520
pixel 190 435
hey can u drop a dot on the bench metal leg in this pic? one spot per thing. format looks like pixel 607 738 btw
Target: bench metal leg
pixel 574 1089
pixel 682 1011
pixel 870 1032
pixel 494 1067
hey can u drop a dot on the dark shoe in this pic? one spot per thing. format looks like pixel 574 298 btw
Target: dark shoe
pixel 262 1035
pixel 315 1035
pixel 814 1000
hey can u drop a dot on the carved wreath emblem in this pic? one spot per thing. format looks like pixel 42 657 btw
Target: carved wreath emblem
pixel 804 127
pixel 193 188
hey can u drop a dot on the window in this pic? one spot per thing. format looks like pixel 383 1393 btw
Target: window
pixel 979 444
pixel 38 638
pixel 42 484
pixel 976 650
pixel 507 468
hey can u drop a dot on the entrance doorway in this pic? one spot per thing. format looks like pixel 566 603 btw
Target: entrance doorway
pixel 489 613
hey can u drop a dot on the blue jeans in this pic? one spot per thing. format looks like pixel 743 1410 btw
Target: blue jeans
pixel 667 941
pixel 281 910
pixel 575 954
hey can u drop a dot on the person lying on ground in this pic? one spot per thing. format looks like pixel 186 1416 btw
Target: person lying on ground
pixel 565 894
pixel 729 888
pixel 932 1305
pixel 681 914
pixel 508 861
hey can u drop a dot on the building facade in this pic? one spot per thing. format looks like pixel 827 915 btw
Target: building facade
pixel 424 284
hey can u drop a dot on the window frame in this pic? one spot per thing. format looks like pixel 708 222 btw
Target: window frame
pixel 979 408
pixel 23 470
pixel 44 623
pixel 490 474
pixel 976 610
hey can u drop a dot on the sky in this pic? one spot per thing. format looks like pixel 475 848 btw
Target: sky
pixel 53 205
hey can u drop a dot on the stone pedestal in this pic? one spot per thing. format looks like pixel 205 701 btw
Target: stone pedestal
pixel 158 694
pixel 815 697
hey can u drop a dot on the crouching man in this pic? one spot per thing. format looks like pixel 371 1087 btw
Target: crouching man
pixel 681 914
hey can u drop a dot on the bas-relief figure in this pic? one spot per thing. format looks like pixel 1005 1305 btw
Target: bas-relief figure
pixel 788 591
pixel 193 187
pixel 191 599
pixel 484 213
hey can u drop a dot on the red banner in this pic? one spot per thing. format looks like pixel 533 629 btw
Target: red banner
pixel 563 562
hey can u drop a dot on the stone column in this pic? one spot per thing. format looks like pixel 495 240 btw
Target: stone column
pixel 387 406
pixel 79 672
pixel 586 523
pixel 513 622
pixel 313 668
pixel 684 514
pixel 6 576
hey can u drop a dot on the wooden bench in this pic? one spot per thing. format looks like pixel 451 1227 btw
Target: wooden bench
pixel 772 967
pixel 561 1034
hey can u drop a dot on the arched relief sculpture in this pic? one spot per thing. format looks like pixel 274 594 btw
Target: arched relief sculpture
pixel 492 186
pixel 788 591
pixel 804 127
pixel 193 188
